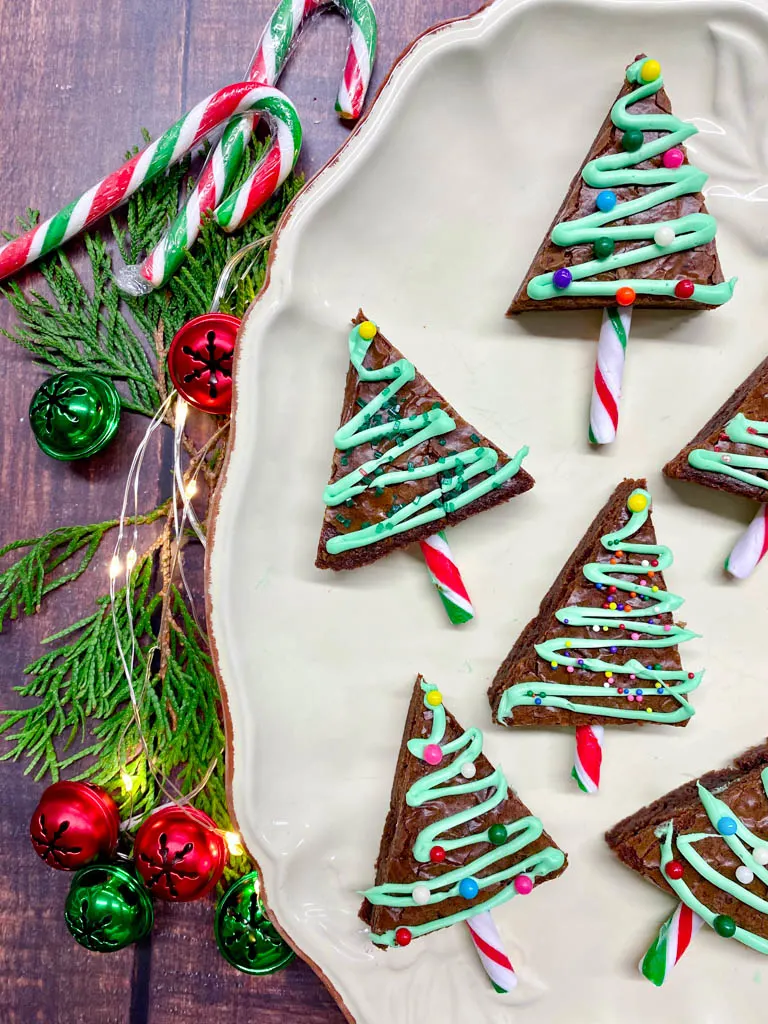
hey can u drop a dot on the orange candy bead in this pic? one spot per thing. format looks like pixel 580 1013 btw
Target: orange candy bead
pixel 625 296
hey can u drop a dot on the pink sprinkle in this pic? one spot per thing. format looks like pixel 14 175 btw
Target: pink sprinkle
pixel 667 628
pixel 632 677
pixel 433 754
pixel 635 636
pixel 673 158
pixel 640 698
pixel 630 696
pixel 569 668
pixel 643 583
pixel 523 885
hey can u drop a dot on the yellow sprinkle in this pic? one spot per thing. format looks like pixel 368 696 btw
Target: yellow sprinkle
pixel 637 501
pixel 657 685
pixel 654 589
pixel 649 711
pixel 650 71
pixel 367 330
pixel 605 629
pixel 568 643
pixel 553 664
pixel 434 698
pixel 609 675
pixel 612 606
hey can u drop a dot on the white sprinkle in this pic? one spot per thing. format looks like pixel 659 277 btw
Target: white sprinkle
pixel 664 236
pixel 645 563
pixel 744 875
pixel 468 770
pixel 761 855
pixel 595 629
pixel 420 894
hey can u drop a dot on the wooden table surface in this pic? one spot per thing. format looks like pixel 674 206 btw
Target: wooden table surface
pixel 80 79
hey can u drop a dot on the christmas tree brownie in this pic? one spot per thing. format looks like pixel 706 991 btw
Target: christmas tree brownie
pixel 457 841
pixel 603 649
pixel 706 843
pixel 633 227
pixel 730 451
pixel 406 464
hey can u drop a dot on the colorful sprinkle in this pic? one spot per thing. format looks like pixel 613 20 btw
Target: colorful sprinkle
pixel 674 869
pixel 724 926
pixel 468 770
pixel 684 289
pixel 760 854
pixel 468 888
pixel 497 834
pixel 420 894
pixel 606 200
pixel 727 826
pixel 625 295
pixel 433 754
pixel 604 247
pixel 562 278
pixel 673 158
pixel 664 236
pixel 367 331
pixel 437 854
pixel 744 874
pixel 434 698
pixel 403 936
pixel 523 885
pixel 650 71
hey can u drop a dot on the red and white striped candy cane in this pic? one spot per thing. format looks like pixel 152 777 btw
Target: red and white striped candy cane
pixel 609 370
pixel 673 939
pixel 271 57
pixel 447 579
pixel 750 548
pixel 588 757
pixel 487 942
pixel 187 133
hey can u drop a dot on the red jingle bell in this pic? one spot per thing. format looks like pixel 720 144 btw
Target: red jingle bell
pixel 179 854
pixel 75 824
pixel 200 361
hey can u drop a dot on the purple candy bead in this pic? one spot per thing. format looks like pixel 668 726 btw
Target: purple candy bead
pixel 562 278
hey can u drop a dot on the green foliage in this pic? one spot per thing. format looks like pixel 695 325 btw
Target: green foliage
pixel 48 563
pixel 77 717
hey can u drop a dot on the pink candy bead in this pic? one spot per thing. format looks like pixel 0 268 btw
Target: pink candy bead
pixel 631 696
pixel 673 158
pixel 523 885
pixel 569 668
pixel 667 628
pixel 433 754
pixel 635 636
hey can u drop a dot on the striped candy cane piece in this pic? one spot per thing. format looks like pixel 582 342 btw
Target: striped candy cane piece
pixel 187 133
pixel 487 942
pixel 588 757
pixel 669 945
pixel 750 547
pixel 446 577
pixel 609 370
pixel 271 57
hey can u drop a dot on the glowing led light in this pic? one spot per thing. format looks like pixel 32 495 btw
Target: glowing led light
pixel 234 844
pixel 127 780
pixel 115 568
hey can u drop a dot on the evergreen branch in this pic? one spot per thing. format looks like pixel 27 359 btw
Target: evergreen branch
pixel 45 566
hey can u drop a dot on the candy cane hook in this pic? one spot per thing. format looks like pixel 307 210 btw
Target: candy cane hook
pixel 272 55
pixel 183 136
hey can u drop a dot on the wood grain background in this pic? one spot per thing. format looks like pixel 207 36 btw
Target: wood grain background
pixel 80 79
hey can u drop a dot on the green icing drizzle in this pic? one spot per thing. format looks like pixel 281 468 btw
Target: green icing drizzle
pixel 439 785
pixel 742 843
pixel 642 621
pixel 740 430
pixel 456 469
pixel 664 184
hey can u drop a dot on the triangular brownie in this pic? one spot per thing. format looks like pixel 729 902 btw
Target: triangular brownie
pixel 457 841
pixel 635 192
pixel 603 648
pixel 730 452
pixel 406 464
pixel 707 842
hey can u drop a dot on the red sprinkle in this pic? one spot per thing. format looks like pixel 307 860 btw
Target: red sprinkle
pixel 674 869
pixel 690 675
pixel 437 855
pixel 684 289
pixel 403 936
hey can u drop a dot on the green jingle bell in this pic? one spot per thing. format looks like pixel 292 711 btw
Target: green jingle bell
pixel 107 908
pixel 246 937
pixel 74 414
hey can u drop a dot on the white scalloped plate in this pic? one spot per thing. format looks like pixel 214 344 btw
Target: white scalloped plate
pixel 428 219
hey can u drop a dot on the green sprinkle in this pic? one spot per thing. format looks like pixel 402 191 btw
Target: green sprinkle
pixel 349 502
pixel 410 467
pixel 442 442
pixel 474 438
pixel 435 405
pixel 344 460
pixel 361 402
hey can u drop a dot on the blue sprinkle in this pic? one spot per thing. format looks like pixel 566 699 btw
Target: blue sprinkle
pixel 468 888
pixel 638 692
pixel 565 622
pixel 537 700
pixel 613 649
pixel 606 200
pixel 600 586
pixel 727 826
